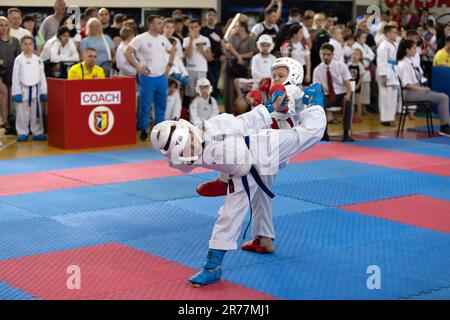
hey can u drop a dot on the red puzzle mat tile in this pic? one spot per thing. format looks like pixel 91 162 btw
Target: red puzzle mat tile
pixel 112 271
pixel 123 172
pixel 35 182
pixel 416 210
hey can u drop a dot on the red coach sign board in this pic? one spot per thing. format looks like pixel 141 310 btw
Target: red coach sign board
pixel 91 113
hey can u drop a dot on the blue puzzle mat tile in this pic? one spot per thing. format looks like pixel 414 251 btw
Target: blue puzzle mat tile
pixel 326 169
pixel 337 228
pixel 205 176
pixel 342 274
pixel 81 199
pixel 39 164
pixel 189 248
pixel 134 222
pixel 437 140
pixel 8 292
pixel 296 235
pixel 8 212
pixel 41 235
pixel 132 155
pixel 410 146
pixel 159 189
pixel 332 192
pixel 210 205
pixel 443 194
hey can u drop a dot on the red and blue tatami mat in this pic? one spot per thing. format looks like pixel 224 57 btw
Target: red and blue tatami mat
pixel 137 230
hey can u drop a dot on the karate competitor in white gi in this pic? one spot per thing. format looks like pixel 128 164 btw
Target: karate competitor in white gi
pixel 387 78
pixel 286 72
pixel 241 148
pixel 29 88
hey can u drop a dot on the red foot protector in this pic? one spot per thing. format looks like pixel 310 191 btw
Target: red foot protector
pixel 214 188
pixel 255 246
pixel 111 271
pixel 417 210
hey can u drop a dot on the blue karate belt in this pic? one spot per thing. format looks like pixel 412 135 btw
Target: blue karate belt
pixel 258 181
pixel 30 97
pixel 393 63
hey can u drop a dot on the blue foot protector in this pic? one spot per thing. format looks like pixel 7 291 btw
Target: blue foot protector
pixel 211 271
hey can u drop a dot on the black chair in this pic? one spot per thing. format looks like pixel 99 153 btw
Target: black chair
pixel 405 109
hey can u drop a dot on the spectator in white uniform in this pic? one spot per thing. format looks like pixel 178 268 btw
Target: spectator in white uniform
pixel 204 106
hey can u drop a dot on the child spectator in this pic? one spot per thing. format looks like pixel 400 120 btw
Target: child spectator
pixel 173 110
pixel 357 71
pixel 204 106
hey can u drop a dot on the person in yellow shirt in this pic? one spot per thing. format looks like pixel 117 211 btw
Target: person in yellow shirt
pixel 87 69
pixel 442 57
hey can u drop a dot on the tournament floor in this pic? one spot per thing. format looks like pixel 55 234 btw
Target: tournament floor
pixel 136 228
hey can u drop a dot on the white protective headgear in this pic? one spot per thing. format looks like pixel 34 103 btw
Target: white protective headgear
pixel 203 82
pixel 174 139
pixel 295 69
pixel 265 38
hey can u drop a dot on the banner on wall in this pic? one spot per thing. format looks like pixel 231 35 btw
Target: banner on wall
pixel 436 6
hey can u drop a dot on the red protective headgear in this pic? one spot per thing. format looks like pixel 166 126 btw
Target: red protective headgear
pixel 264 84
pixel 257 98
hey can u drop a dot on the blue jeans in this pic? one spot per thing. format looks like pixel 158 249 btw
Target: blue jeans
pixel 152 90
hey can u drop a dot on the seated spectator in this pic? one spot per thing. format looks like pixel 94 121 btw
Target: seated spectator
pixel 102 43
pixel 59 53
pixel 87 69
pixel 335 79
pixel 296 48
pixel 414 91
pixel 442 57
pixel 125 68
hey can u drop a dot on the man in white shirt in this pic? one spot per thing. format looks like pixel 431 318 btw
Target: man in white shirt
pixel 15 19
pixel 157 58
pixel 335 80
pixel 336 41
pixel 198 53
